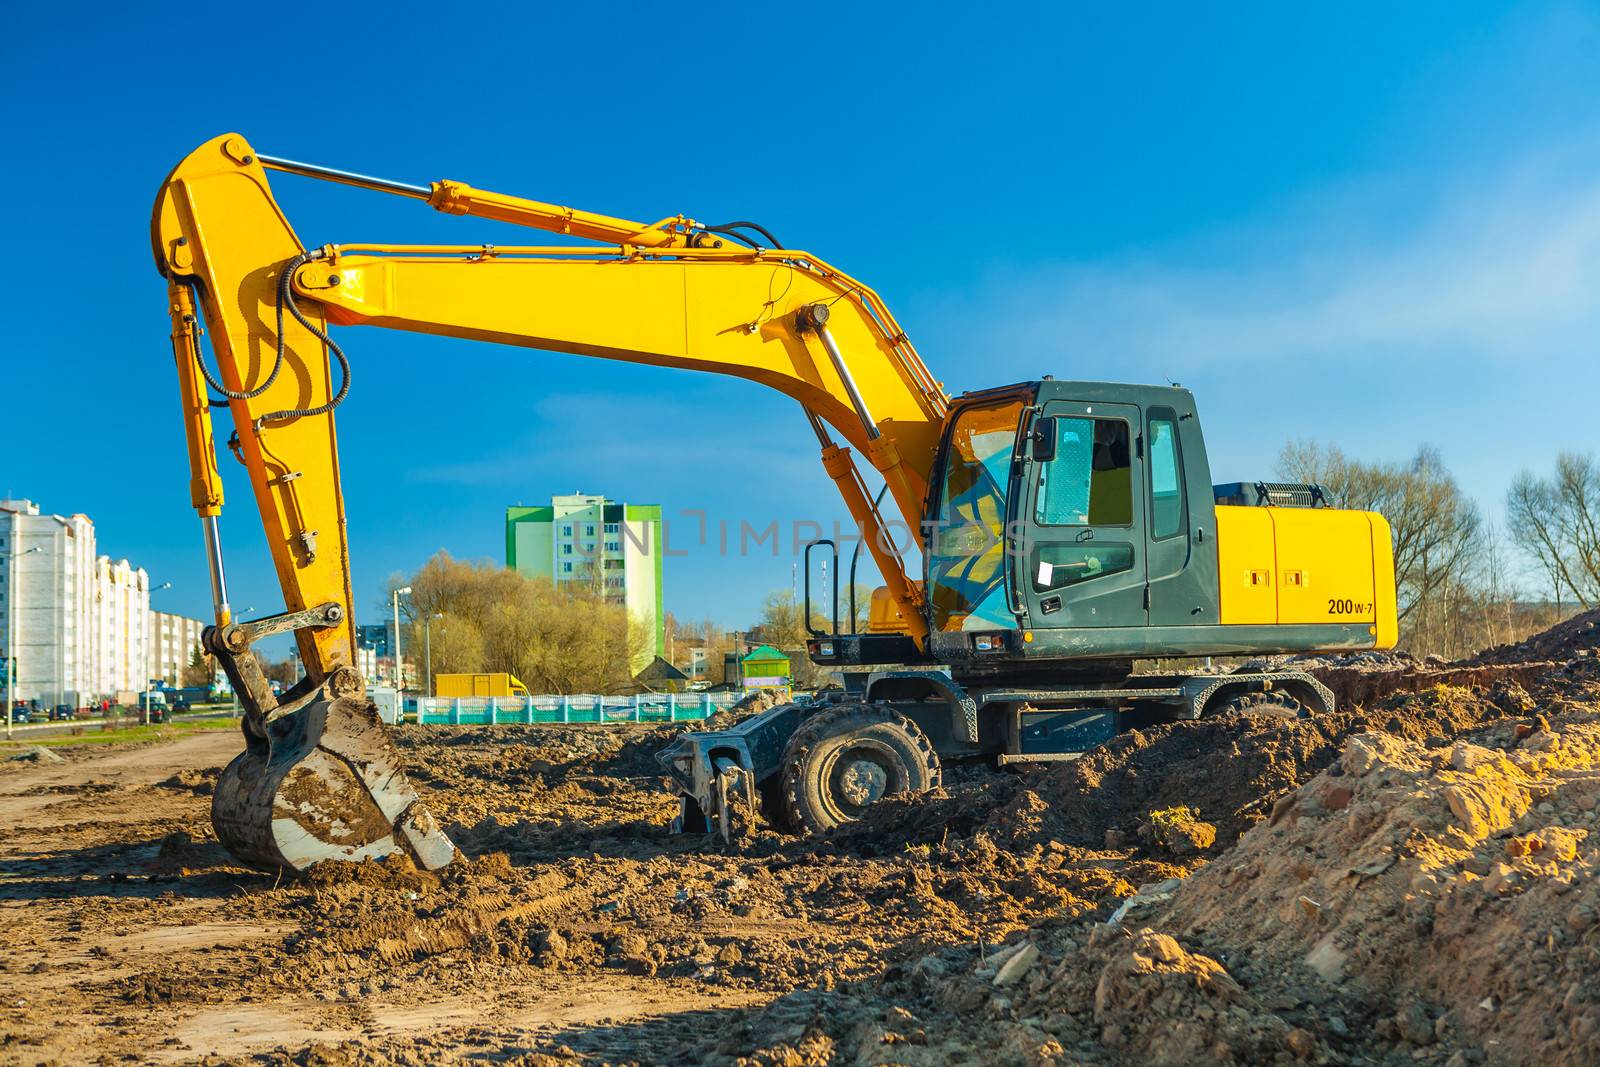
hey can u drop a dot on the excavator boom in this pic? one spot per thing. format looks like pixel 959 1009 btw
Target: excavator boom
pixel 319 778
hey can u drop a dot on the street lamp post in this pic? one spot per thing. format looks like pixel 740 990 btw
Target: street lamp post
pixel 11 633
pixel 399 672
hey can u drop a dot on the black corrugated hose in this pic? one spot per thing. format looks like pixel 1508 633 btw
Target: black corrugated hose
pixel 285 299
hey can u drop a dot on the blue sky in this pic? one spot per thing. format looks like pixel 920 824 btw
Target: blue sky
pixel 1353 227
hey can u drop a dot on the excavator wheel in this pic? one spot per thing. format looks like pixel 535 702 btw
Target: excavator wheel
pixel 1274 704
pixel 324 783
pixel 844 760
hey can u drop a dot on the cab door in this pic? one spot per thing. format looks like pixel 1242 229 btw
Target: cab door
pixel 1182 587
pixel 1081 518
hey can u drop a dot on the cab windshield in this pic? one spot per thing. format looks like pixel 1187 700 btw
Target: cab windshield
pixel 966 547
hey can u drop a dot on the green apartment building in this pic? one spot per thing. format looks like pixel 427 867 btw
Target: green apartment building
pixel 588 538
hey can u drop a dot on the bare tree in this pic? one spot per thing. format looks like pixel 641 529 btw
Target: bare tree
pixel 1499 593
pixel 564 637
pixel 1556 521
pixel 783 622
pixel 282 671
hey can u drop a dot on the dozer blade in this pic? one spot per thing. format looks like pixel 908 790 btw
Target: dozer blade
pixel 324 784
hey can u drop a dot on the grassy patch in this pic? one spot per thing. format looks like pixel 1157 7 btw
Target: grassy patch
pixel 93 734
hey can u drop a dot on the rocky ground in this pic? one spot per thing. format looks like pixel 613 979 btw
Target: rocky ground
pixel 1410 880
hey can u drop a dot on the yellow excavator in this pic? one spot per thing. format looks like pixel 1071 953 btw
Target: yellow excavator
pixel 1064 528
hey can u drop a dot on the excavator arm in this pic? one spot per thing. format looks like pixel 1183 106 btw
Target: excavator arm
pixel 672 293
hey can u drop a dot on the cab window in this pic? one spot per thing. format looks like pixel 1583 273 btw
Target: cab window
pixel 1166 476
pixel 1089 482
pixel 1058 565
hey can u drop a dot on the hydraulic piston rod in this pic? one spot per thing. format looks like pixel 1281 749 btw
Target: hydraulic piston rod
pixel 345 177
pixel 814 317
pixel 459 198
pixel 219 578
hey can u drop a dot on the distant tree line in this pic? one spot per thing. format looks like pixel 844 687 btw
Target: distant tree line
pixel 1460 585
pixel 1556 521
pixel 555 637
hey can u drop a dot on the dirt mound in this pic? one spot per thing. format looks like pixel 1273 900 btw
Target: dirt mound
pixel 1577 636
pixel 754 704
pixel 199 782
pixel 1406 877
pixel 1430 897
pixel 1372 660
pixel 392 872
pixel 1228 769
pixel 1060 995
pixel 37 754
pixel 1394 858
pixel 1232 768
pixel 968 802
pixel 511 755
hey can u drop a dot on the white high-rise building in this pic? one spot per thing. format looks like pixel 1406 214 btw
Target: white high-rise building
pixel 173 639
pixel 79 623
pixel 121 627
pixel 47 590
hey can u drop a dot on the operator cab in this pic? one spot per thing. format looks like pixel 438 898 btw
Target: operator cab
pixel 1065 520
pixel 1062 509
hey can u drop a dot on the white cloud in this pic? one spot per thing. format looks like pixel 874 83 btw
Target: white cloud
pixel 1509 270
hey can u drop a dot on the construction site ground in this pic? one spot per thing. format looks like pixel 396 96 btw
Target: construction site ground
pixel 1410 879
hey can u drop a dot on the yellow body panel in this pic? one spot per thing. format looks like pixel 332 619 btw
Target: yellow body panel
pixel 1324 565
pixel 1387 603
pixel 1306 566
pixel 1246 565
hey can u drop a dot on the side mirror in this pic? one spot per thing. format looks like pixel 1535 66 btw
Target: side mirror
pixel 1042 438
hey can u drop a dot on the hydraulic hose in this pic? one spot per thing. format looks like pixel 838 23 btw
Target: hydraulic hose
pixel 286 299
pixel 216 386
pixel 731 228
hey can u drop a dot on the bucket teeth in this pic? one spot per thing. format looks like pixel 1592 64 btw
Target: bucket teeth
pixel 325 784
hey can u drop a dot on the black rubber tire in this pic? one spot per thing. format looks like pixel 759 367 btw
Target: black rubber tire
pixel 1274 704
pixel 823 784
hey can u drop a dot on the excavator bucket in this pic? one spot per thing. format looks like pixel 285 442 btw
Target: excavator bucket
pixel 324 783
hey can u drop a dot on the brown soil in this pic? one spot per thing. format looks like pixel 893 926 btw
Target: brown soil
pixel 1401 865
pixel 1579 635
pixel 577 927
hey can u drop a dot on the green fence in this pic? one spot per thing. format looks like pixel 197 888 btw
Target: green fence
pixel 578 708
